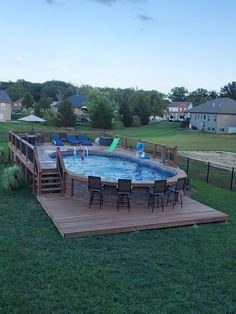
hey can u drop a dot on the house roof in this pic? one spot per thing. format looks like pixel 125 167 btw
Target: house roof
pixel 176 104
pixel 4 97
pixel 77 101
pixel 219 105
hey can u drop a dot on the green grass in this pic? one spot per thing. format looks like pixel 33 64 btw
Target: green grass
pixel 170 133
pixel 178 270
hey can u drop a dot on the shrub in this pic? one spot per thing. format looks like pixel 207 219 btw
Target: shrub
pixel 12 178
pixel 117 124
pixel 136 121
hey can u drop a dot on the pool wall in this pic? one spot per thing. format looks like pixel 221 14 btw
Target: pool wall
pixel 77 186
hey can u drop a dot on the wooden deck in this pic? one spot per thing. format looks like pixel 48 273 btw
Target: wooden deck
pixel 73 218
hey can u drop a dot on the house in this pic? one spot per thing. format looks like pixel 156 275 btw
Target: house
pixel 178 110
pixel 5 106
pixel 16 106
pixel 78 102
pixel 216 116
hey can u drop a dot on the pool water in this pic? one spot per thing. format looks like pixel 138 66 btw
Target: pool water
pixel 112 168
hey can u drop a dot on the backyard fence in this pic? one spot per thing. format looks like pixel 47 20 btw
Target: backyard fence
pixel 208 172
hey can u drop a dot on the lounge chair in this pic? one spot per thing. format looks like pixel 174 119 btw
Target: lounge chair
pixel 57 141
pixel 84 140
pixel 72 139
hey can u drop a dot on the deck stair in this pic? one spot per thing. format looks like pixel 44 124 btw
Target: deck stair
pixel 48 182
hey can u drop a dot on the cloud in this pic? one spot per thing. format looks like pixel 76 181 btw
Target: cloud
pixel 50 67
pixel 145 18
pixel 50 1
pixel 19 60
pixel 110 2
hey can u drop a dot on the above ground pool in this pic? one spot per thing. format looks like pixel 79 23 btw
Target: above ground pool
pixel 112 168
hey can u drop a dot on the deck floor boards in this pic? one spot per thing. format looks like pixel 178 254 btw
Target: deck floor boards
pixel 73 218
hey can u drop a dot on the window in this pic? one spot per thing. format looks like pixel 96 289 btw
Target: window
pixel 195 117
pixel 208 118
pixel 221 129
pixel 213 129
pixel 208 129
pixel 3 106
pixel 204 117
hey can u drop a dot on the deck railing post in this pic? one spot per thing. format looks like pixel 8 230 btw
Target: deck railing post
pixel 163 153
pixel 232 179
pixel 154 150
pixel 126 142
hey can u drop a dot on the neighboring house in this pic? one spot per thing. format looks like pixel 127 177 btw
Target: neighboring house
pixel 5 106
pixel 16 106
pixel 216 116
pixel 78 102
pixel 178 110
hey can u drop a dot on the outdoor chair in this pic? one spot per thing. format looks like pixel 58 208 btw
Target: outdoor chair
pixel 95 188
pixel 157 192
pixel 177 191
pixel 57 141
pixel 124 189
pixel 84 140
pixel 72 139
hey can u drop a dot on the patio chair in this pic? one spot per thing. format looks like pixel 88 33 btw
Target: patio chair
pixel 56 140
pixel 157 192
pixel 72 139
pixel 177 191
pixel 84 140
pixel 95 187
pixel 124 189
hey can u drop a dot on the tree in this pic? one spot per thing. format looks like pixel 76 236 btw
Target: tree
pixel 178 94
pixel 140 104
pixel 158 103
pixel 101 109
pixel 16 91
pixel 199 96
pixel 229 90
pixel 65 115
pixel 28 101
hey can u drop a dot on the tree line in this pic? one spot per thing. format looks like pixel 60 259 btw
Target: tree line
pixel 108 107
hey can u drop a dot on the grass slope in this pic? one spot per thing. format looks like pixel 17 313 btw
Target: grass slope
pixel 170 133
pixel 178 270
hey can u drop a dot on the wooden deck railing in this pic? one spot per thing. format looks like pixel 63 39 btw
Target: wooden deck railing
pixel 166 153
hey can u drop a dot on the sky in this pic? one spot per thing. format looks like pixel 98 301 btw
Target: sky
pixel 144 44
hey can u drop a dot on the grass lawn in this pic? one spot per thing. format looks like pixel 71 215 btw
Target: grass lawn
pixel 163 132
pixel 177 270
pixel 170 133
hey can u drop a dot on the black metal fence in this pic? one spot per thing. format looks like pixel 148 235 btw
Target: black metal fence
pixel 208 172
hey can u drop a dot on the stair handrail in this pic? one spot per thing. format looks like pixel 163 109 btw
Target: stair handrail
pixel 61 168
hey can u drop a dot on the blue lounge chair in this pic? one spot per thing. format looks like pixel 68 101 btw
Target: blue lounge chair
pixel 84 140
pixel 72 139
pixel 57 141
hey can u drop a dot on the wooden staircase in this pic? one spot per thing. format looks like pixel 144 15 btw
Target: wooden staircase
pixel 49 181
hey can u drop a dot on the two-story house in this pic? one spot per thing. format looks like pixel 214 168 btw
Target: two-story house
pixel 216 116
pixel 5 106
pixel 178 110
